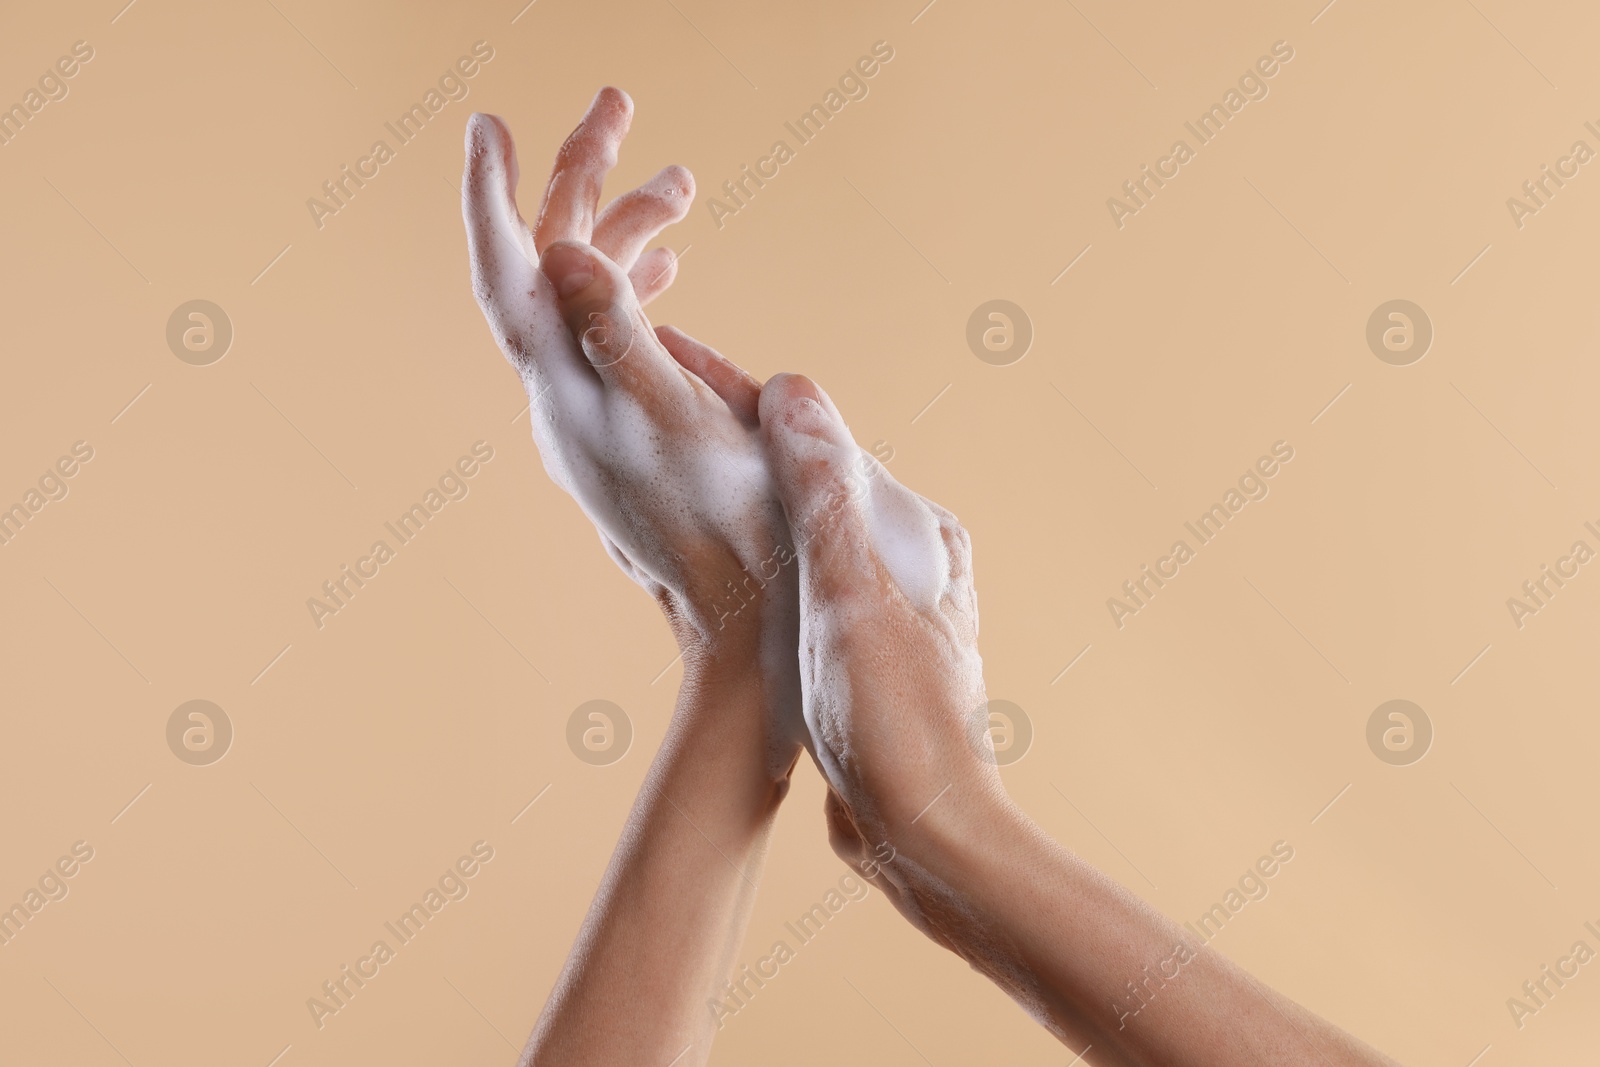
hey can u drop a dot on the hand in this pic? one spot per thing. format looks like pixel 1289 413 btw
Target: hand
pixel 892 682
pixel 654 434
pixel 571 197
pixel 894 699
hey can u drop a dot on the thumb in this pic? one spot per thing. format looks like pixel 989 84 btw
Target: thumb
pixel 603 314
pixel 500 244
pixel 822 481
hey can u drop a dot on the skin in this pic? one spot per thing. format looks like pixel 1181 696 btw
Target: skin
pixel 817 603
pixel 891 682
pixel 653 434
pixel 655 437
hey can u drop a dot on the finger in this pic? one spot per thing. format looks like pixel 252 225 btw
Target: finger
pixel 602 312
pixel 960 600
pixel 633 219
pixel 815 463
pixel 499 241
pixel 848 844
pixel 727 379
pixel 621 559
pixel 843 837
pixel 653 273
pixel 858 532
pixel 590 151
pixel 514 296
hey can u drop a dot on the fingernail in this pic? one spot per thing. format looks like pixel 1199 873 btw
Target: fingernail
pixel 808 412
pixel 802 387
pixel 574 280
pixel 568 269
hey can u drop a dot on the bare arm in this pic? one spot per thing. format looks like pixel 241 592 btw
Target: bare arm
pixel 655 438
pixel 894 701
pixel 660 937
pixel 1098 966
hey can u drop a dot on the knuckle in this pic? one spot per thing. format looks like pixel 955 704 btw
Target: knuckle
pixel 607 337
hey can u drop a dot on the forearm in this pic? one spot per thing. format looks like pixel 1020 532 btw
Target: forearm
pixel 673 905
pixel 1101 967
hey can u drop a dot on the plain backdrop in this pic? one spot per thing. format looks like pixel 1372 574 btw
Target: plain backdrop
pixel 1227 314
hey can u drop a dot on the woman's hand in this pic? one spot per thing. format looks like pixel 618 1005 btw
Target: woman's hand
pixel 890 672
pixel 894 699
pixel 654 434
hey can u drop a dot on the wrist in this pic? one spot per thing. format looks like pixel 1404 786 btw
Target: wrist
pixel 938 850
pixel 956 835
pixel 730 609
pixel 741 677
pixel 730 722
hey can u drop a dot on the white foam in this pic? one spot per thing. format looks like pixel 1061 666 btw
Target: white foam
pixel 905 533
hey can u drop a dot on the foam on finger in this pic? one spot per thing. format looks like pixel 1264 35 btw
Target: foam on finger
pixel 581 166
pixel 633 219
pixel 731 382
pixel 500 242
pixel 653 273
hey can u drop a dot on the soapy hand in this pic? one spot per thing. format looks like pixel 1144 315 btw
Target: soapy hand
pixel 791 564
pixel 892 680
pixel 654 434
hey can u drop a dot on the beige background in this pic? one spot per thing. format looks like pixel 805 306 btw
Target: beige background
pixel 425 716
